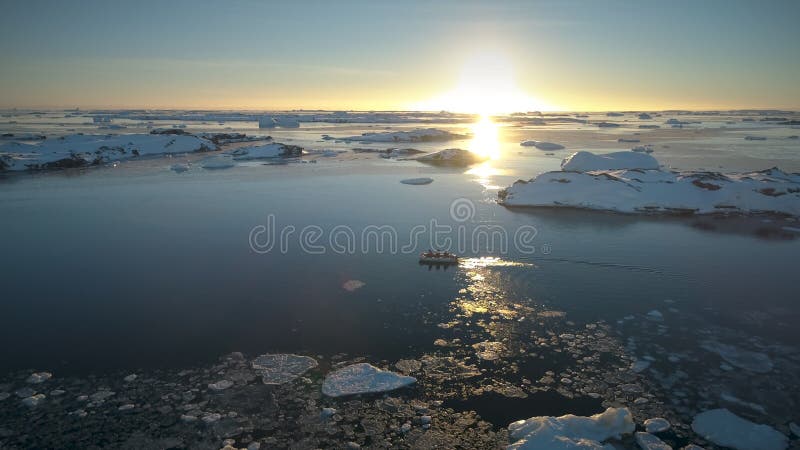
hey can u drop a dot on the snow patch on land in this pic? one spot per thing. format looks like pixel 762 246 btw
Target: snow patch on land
pixel 570 431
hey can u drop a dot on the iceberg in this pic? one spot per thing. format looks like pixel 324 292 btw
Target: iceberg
pixel 417 135
pixel 631 182
pixel 570 431
pixel 79 150
pixel 586 161
pixel 272 150
pixel 363 378
pixel 278 121
pixel 542 145
pixel 452 156
pixel 726 429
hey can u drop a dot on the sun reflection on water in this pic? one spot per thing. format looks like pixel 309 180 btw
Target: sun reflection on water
pixel 485 138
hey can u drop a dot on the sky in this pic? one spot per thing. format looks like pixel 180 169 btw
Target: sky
pixel 391 55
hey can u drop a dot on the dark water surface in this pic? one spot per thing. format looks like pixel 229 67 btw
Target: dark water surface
pixel 110 270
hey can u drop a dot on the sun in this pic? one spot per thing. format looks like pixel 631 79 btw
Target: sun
pixel 486 86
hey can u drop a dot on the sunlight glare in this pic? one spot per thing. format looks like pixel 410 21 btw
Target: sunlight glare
pixel 486 86
pixel 485 138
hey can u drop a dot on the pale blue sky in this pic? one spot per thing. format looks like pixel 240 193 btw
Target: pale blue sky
pixel 387 55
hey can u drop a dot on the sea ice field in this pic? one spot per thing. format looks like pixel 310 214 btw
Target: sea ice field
pixel 654 305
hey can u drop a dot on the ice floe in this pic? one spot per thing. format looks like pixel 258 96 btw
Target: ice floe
pixel 452 156
pixel 280 368
pixel 570 431
pixel 631 182
pixel 272 150
pixel 418 135
pixel 79 150
pixel 363 378
pixel 743 359
pixel 33 400
pixel 542 145
pixel 417 181
pixel 724 428
pixel 656 425
pixel 352 285
pixel 647 441
pixel 39 377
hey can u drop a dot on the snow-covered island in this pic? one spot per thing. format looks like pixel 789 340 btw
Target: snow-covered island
pixel 634 182
pixel 80 150
pixel 417 135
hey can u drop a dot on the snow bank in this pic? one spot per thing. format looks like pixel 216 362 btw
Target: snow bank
pixel 542 145
pixel 726 429
pixel 363 378
pixel 587 161
pixel 570 432
pixel 639 190
pixel 418 135
pixel 79 150
pixel 280 368
pixel 272 150
pixel 452 156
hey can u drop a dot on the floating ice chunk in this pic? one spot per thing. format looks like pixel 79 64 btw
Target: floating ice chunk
pixel 452 156
pixel 647 441
pixel 795 428
pixel 363 378
pixel 418 135
pixel 743 359
pixel 33 400
pixel 278 121
pixel 726 429
pixel 352 285
pixel 640 365
pixel 272 150
pixel 586 161
pixel 39 377
pixel 656 425
pixel 655 315
pixel 179 167
pixel 217 162
pixel 645 116
pixel 655 191
pixel 282 368
pixel 755 138
pixel 541 145
pixel 130 378
pixel 489 351
pixel 220 385
pixel 570 432
pixel 211 418
pixel 327 413
pixel 417 181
